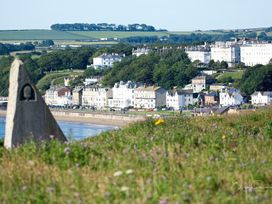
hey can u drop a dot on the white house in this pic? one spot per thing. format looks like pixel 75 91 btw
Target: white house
pixel 149 97
pixel 123 95
pixel 178 99
pixel 96 96
pixel 230 97
pixel 199 84
pixel 58 96
pixel 91 80
pixel 256 53
pixel 141 51
pixel 261 98
pixel 106 60
pixel 226 51
pixel 200 53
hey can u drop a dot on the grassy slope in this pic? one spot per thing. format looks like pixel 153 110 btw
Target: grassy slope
pixel 235 75
pixel 56 77
pixel 198 160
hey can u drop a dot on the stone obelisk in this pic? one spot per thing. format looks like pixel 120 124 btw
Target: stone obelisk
pixel 28 117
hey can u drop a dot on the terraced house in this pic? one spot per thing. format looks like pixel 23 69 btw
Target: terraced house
pixel 150 97
pixel 95 96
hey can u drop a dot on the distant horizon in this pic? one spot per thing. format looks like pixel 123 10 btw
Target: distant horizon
pixel 194 30
pixel 173 15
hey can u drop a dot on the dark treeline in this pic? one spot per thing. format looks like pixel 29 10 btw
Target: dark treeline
pixel 5 49
pixel 257 78
pixel 103 27
pixel 193 38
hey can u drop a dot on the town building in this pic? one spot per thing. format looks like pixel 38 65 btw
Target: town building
pixel 208 72
pixel 211 99
pixel 218 87
pixel 199 53
pixel 95 96
pixel 230 97
pixel 58 96
pixel 77 95
pixel 178 99
pixel 226 51
pixel 91 80
pixel 199 84
pixel 149 97
pixel 141 51
pixel 261 98
pixel 123 95
pixel 256 53
pixel 106 60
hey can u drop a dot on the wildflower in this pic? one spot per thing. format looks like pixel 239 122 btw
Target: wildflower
pixel 118 173
pixel 163 201
pixel 124 188
pixel 159 121
pixel 224 137
pixel 31 163
pixel 50 189
pixel 129 171
pixel 249 189
pixel 66 150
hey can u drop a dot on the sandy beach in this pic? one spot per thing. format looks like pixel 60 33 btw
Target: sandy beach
pixel 89 120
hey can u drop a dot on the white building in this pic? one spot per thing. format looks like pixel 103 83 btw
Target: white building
pixel 141 51
pixel 106 60
pixel 96 96
pixel 230 97
pixel 226 51
pixel 199 84
pixel 58 96
pixel 178 99
pixel 200 53
pixel 218 87
pixel 149 97
pixel 123 95
pixel 91 80
pixel 261 98
pixel 256 53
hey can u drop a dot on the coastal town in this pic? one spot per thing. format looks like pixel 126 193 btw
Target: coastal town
pixel 202 95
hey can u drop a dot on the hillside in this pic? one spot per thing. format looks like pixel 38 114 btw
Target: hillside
pixel 180 160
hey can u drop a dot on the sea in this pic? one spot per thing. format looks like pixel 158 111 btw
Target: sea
pixel 72 130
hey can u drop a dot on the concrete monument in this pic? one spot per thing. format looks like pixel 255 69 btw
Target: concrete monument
pixel 28 117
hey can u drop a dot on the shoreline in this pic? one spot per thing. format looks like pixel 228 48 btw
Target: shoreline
pixel 71 117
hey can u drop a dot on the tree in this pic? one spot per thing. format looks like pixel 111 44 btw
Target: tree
pixel 47 43
pixel 258 78
pixel 3 49
pixel 224 65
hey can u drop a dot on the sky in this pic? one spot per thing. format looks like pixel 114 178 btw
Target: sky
pixel 173 15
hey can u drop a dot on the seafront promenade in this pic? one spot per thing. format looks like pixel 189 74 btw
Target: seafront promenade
pixel 99 118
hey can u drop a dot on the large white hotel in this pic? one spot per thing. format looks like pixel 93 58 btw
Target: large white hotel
pixel 256 53
pixel 250 53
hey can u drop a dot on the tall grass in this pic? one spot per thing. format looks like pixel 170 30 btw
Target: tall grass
pixel 182 160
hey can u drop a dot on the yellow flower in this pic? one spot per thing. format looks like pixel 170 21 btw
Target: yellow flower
pixel 159 121
pixel 224 137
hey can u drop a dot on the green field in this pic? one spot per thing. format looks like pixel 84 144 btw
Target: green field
pixel 180 160
pixel 236 75
pixel 55 78
pixel 39 35
pixel 72 35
